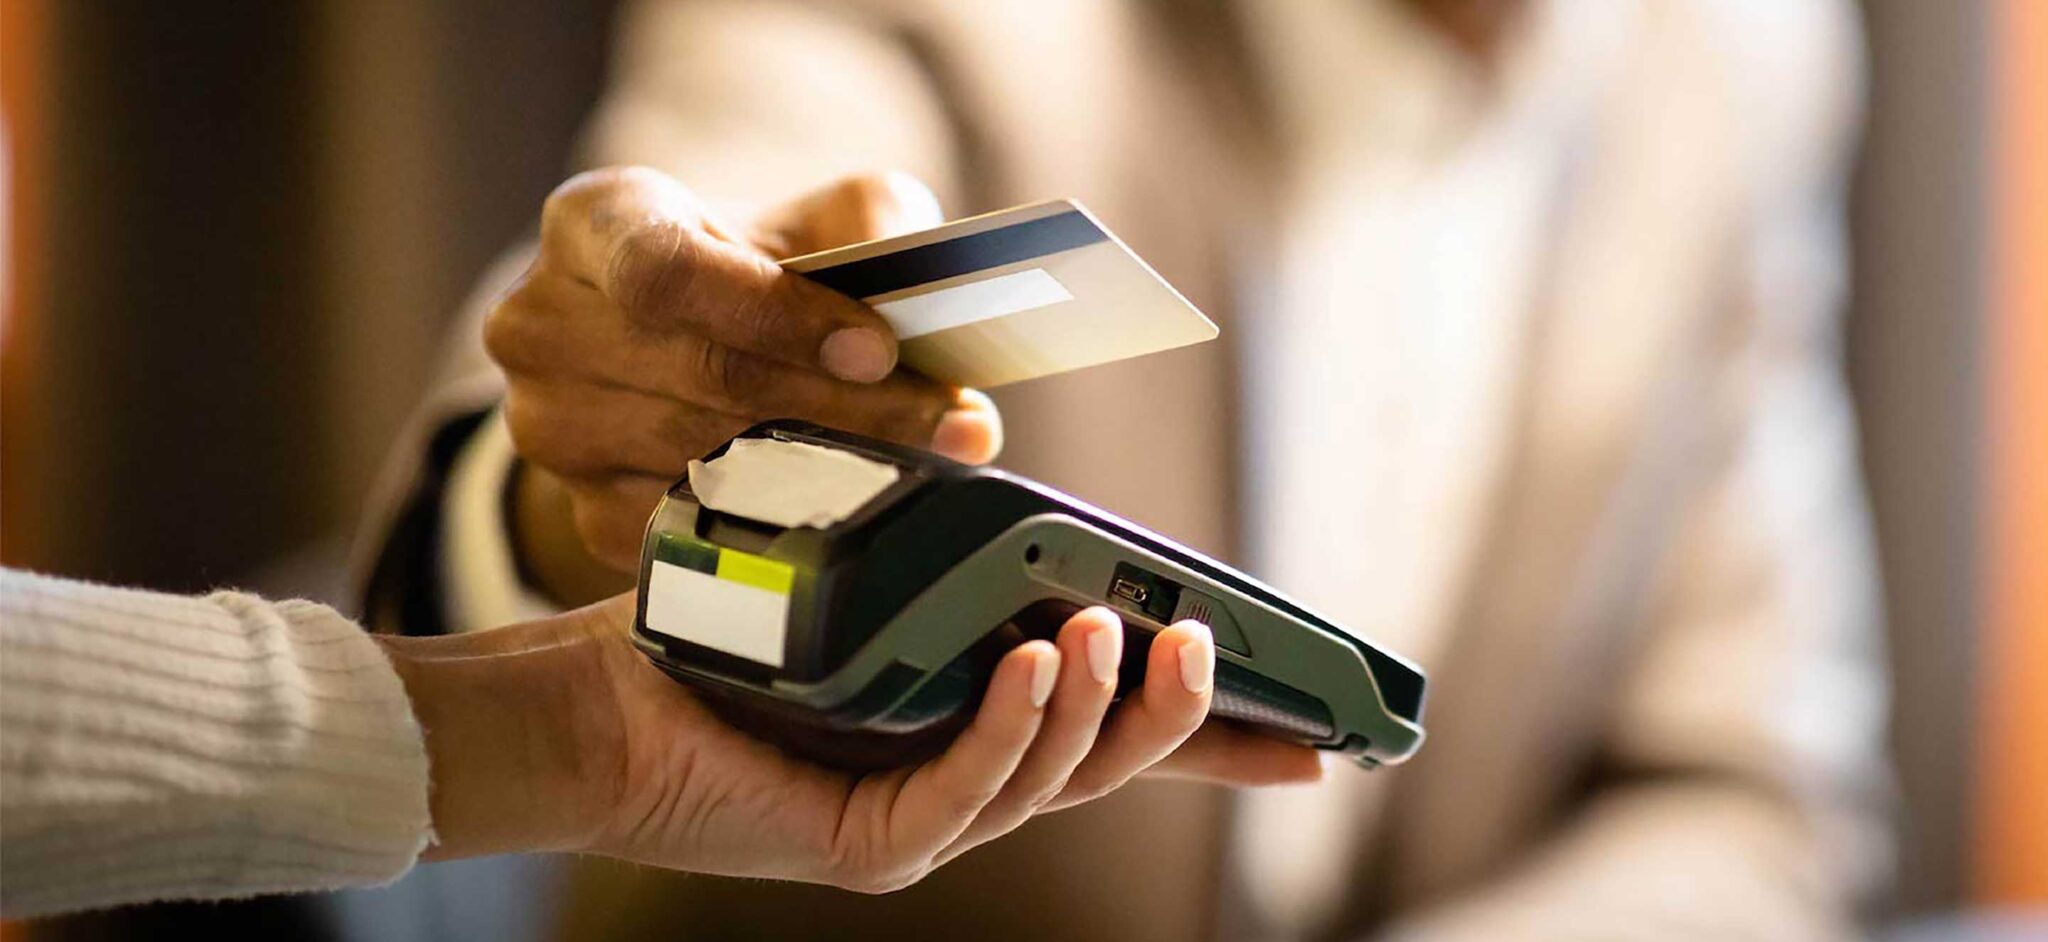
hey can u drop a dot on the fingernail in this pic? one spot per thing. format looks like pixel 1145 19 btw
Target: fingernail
pixel 962 436
pixel 1105 646
pixel 857 355
pixel 1197 658
pixel 1045 669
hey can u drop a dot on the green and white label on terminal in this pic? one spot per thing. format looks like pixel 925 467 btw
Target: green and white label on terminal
pixel 719 597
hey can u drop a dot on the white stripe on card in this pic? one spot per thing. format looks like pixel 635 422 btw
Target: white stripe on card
pixel 982 300
pixel 717 613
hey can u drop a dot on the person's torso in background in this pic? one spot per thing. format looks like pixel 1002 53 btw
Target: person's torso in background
pixel 1371 219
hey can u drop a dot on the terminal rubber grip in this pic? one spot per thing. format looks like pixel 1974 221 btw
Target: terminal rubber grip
pixel 1250 698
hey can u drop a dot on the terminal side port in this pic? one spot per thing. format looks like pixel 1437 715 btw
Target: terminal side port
pixel 1143 592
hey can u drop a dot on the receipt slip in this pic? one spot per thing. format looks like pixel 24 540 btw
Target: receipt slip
pixel 1012 295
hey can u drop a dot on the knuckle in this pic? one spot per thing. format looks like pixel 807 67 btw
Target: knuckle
pixel 509 336
pixel 686 432
pixel 578 197
pixel 967 804
pixel 862 866
pixel 1046 795
pixel 654 266
pixel 1078 792
pixel 595 186
pixel 583 219
pixel 734 378
pixel 571 195
pixel 767 319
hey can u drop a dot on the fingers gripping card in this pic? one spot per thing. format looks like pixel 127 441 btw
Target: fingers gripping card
pixel 1012 295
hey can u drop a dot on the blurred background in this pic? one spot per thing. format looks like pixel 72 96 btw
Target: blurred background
pixel 248 224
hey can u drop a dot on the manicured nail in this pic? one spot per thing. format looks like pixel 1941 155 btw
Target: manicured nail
pixel 1105 647
pixel 1045 668
pixel 857 354
pixel 1197 657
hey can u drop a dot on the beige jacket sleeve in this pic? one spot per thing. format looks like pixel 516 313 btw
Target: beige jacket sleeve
pixel 1746 731
pixel 755 101
pixel 1746 793
pixel 735 99
pixel 1746 789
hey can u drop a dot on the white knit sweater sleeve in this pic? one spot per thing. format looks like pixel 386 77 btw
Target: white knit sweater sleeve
pixel 158 747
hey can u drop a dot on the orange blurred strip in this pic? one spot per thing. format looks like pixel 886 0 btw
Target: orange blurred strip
pixel 22 56
pixel 2012 816
pixel 23 59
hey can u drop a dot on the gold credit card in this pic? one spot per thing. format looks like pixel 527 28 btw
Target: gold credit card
pixel 1012 295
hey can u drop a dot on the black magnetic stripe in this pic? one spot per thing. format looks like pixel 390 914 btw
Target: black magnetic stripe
pixel 962 256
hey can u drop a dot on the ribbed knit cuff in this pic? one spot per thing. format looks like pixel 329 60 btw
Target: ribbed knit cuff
pixel 164 747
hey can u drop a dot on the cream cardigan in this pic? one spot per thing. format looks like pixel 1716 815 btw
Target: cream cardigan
pixel 159 747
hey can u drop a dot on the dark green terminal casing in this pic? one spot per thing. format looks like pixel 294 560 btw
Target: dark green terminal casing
pixel 897 613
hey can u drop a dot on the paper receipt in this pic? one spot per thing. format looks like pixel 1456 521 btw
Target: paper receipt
pixel 788 484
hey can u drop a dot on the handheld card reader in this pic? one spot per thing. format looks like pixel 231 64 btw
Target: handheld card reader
pixel 863 636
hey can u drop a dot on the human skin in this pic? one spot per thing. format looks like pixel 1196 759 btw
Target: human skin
pixel 648 331
pixel 557 735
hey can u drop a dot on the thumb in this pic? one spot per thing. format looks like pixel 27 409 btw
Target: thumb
pixel 852 209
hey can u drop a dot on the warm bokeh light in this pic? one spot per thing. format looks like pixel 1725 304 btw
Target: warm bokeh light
pixel 2012 822
pixel 22 68
pixel 20 71
pixel 236 236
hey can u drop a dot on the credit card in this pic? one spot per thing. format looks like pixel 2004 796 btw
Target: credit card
pixel 1012 295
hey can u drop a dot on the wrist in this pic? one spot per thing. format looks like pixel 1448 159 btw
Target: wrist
pixel 523 738
pixel 549 548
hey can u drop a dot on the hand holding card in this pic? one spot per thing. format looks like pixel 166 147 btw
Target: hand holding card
pixel 1012 295
pixel 647 331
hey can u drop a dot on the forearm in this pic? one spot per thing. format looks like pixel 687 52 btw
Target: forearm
pixel 522 734
pixel 162 747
